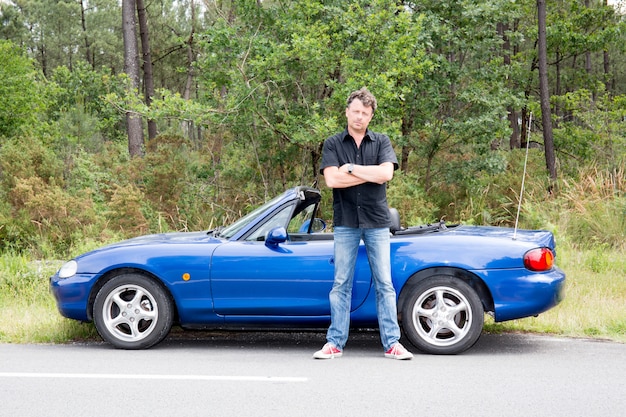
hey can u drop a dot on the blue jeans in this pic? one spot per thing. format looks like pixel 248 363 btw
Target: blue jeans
pixel 376 241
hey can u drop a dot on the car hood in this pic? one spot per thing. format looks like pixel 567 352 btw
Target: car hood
pixel 173 237
pixel 136 250
pixel 165 238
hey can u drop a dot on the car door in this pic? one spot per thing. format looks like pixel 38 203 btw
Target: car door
pixel 293 278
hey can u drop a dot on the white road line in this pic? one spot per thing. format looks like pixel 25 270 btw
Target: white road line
pixel 155 377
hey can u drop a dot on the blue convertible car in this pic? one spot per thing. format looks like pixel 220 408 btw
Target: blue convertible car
pixel 273 269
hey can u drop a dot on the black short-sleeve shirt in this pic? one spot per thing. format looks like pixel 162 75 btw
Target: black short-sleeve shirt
pixel 365 205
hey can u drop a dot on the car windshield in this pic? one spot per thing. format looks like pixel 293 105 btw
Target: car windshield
pixel 231 230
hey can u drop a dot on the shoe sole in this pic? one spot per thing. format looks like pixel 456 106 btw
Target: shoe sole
pixel 398 357
pixel 327 356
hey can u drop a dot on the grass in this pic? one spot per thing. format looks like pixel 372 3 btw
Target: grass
pixel 28 311
pixel 594 305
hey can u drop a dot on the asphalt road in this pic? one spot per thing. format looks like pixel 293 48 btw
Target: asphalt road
pixel 273 374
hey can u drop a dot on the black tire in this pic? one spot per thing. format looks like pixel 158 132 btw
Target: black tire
pixel 442 315
pixel 132 311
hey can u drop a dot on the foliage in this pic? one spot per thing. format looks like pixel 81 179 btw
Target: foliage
pixel 593 212
pixel 85 117
pixel 406 194
pixel 21 100
pixel 594 133
pixel 56 34
pixel 282 90
pixel 269 85
pixel 39 211
pixel 461 103
pixel 177 182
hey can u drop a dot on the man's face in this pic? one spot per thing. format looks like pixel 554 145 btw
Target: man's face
pixel 358 116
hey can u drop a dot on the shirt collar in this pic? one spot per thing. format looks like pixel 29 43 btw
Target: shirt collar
pixel 368 135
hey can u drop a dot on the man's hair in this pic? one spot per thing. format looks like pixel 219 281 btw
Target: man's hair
pixel 365 97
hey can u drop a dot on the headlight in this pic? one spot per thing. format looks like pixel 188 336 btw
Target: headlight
pixel 68 270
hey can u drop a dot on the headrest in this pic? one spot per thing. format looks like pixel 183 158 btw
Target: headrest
pixel 395 220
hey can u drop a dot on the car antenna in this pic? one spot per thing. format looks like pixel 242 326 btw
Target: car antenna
pixel 521 191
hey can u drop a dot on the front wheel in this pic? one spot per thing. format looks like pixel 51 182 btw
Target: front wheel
pixel 131 311
pixel 442 315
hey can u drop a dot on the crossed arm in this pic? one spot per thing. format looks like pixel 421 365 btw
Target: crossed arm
pixel 338 177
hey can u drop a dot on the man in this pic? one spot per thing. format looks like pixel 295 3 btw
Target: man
pixel 357 164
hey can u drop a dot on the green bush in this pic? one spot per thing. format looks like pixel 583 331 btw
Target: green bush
pixel 51 205
pixel 407 194
pixel 593 208
pixel 21 100
pixel 38 212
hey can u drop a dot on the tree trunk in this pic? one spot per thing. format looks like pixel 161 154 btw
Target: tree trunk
pixel 607 67
pixel 190 54
pixel 546 115
pixel 148 78
pixel 131 68
pixel 588 62
pixel 407 126
pixel 514 139
pixel 404 159
pixel 187 125
pixel 85 37
pixel 557 81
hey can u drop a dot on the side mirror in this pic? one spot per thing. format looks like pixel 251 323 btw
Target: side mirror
pixel 319 225
pixel 275 236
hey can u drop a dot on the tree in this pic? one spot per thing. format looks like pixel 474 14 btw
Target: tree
pixel 60 33
pixel 148 78
pixel 22 95
pixel 131 68
pixel 464 95
pixel 546 113
pixel 266 80
pixel 283 97
pixel 87 40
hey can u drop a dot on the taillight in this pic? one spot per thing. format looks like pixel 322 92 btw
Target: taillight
pixel 541 259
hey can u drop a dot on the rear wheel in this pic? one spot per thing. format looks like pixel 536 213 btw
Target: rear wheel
pixel 442 315
pixel 132 311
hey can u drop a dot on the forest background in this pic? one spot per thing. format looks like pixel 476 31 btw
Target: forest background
pixel 132 117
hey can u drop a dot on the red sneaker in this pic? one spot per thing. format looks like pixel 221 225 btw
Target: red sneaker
pixel 329 351
pixel 398 351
